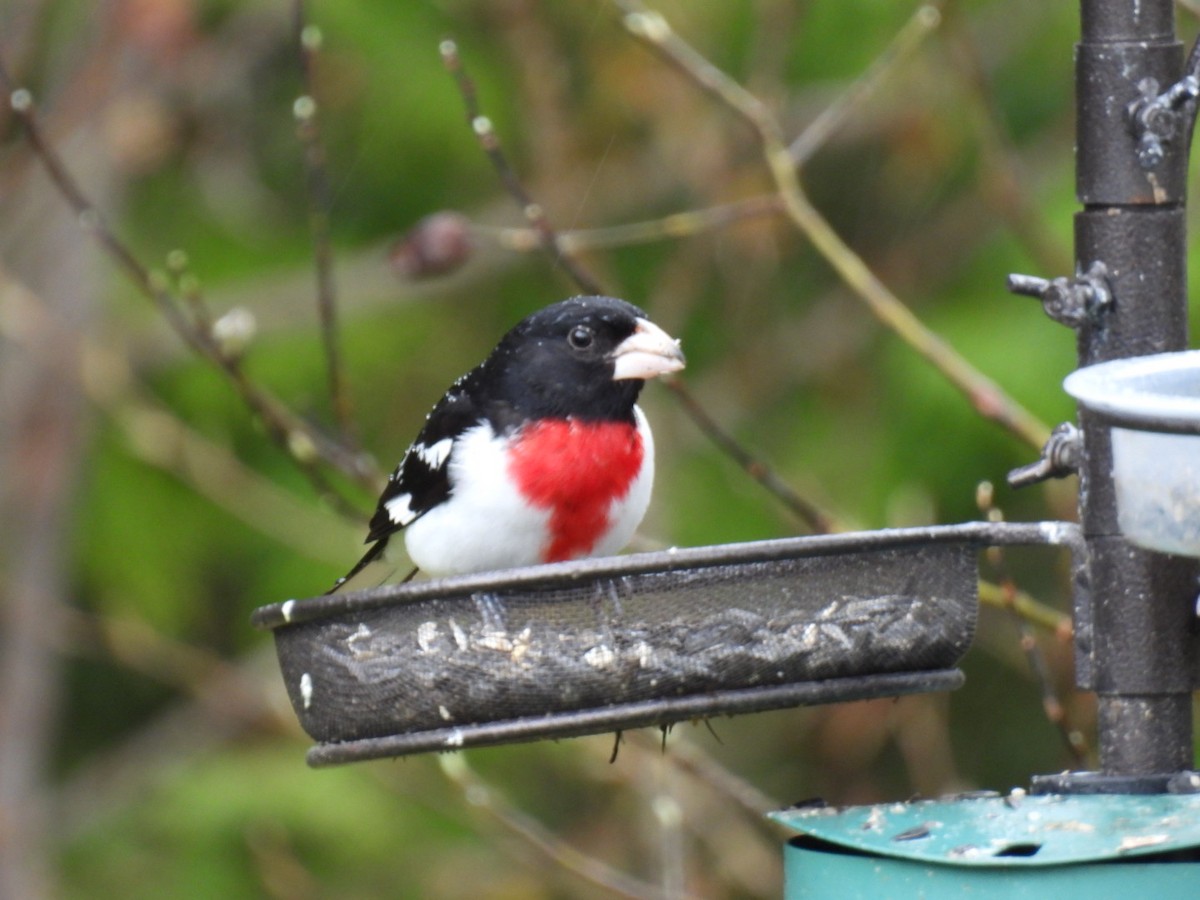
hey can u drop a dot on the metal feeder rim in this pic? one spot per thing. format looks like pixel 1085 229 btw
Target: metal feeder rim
pixel 983 534
pixel 1073 782
pixel 1116 391
pixel 641 714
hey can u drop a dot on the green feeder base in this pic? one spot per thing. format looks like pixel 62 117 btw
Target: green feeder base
pixel 987 846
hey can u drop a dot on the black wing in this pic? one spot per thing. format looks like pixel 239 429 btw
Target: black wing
pixel 422 480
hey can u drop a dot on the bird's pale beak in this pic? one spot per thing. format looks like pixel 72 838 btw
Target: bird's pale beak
pixel 648 352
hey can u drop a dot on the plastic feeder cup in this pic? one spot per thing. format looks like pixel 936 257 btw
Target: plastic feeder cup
pixel 1153 406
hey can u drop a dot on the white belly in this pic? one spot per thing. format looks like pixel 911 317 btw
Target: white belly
pixel 487 525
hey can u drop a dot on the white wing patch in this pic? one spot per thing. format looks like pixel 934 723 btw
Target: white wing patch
pixel 400 509
pixel 434 456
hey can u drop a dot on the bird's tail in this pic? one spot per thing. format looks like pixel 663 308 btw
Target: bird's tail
pixel 371 571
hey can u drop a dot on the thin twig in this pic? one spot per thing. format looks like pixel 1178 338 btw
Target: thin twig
pixel 1026 608
pixel 988 399
pixel 652 28
pixel 90 219
pixel 696 763
pixel 1002 183
pixel 1056 713
pixel 672 227
pixel 304 444
pixel 1051 704
pixel 156 436
pixel 134 644
pixel 562 253
pixel 707 799
pixel 308 128
pixel 804 509
pixel 922 23
pixel 482 126
pixel 483 796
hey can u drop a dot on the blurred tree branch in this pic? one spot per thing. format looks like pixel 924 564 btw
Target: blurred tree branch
pixel 482 126
pixel 480 795
pixel 223 706
pixel 988 399
pixel 307 446
pixel 307 38
pixel 564 255
pixel 43 442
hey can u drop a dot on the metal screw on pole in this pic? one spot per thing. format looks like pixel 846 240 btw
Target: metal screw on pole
pixel 1155 118
pixel 1060 458
pixel 1071 302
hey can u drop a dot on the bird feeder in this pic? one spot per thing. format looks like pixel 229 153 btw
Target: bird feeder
pixel 643 640
pixel 651 639
pixel 985 845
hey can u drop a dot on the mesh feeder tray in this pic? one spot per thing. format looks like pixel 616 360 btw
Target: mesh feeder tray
pixel 648 639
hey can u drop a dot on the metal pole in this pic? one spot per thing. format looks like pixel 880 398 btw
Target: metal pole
pixel 1138 643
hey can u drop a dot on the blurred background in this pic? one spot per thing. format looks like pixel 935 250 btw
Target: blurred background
pixel 146 745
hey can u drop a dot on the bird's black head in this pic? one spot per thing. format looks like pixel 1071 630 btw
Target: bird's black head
pixel 584 358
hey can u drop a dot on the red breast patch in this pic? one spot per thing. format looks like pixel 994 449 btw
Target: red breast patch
pixel 576 470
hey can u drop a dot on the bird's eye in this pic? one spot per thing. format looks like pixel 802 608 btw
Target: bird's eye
pixel 581 337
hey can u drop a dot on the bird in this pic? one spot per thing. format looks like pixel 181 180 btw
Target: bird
pixel 539 454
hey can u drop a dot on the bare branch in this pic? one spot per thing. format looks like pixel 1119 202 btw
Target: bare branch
pixel 563 254
pixel 159 438
pixel 1003 183
pixel 804 509
pixel 922 24
pixel 652 28
pixel 307 446
pixel 482 126
pixel 483 796
pixel 1026 608
pixel 988 399
pixel 677 225
pixel 688 757
pixel 308 42
pixel 1072 737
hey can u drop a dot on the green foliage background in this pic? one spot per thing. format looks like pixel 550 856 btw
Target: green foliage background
pixel 176 768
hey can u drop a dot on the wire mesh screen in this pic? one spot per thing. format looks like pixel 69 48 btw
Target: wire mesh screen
pixel 446 657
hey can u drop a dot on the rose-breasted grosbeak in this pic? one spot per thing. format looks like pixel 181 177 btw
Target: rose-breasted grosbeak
pixel 538 454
